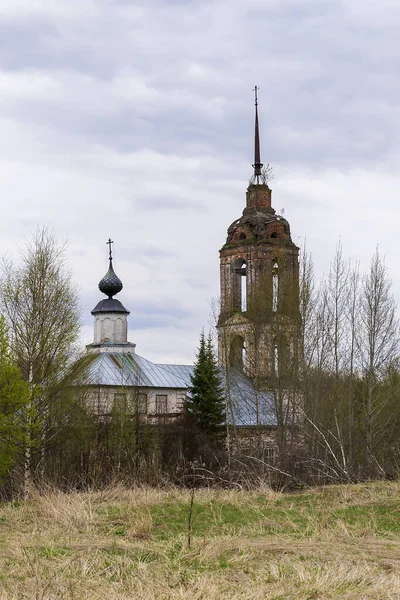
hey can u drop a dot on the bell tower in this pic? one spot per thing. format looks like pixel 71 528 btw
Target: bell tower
pixel 110 316
pixel 258 326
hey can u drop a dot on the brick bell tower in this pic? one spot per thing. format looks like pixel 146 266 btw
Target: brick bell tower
pixel 258 327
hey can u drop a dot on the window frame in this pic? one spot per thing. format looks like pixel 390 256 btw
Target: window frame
pixel 164 399
pixel 142 401
pixel 120 401
pixel 270 454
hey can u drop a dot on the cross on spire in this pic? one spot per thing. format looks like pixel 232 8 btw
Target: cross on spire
pixel 109 244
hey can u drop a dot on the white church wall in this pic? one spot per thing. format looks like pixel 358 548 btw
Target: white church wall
pixel 151 403
pixel 110 327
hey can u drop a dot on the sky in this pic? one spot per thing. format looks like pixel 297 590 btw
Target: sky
pixel 134 120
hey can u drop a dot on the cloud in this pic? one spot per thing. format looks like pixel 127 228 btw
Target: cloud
pixel 135 122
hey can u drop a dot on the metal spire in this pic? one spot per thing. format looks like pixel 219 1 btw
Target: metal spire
pixel 257 166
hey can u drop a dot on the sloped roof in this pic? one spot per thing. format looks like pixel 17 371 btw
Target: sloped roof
pixel 244 400
pixel 110 305
pixel 129 369
pixel 182 371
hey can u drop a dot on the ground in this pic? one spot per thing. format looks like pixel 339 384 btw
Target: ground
pixel 332 542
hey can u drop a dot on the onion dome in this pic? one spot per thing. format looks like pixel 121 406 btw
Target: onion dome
pixel 111 284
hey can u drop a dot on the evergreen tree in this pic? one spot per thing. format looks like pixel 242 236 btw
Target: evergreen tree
pixel 14 400
pixel 207 403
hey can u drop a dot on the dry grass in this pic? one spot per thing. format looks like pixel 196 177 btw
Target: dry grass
pixel 335 542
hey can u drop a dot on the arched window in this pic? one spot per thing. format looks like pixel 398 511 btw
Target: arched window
pixel 275 286
pixel 275 359
pixel 119 330
pixel 107 330
pixel 237 353
pixel 240 285
pixel 243 293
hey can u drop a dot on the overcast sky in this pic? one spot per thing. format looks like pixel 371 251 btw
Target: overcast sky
pixel 134 119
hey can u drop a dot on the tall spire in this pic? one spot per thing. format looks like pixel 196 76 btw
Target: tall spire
pixel 257 166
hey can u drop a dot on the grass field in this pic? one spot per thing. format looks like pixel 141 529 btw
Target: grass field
pixel 334 542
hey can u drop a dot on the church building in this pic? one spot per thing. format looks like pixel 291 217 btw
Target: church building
pixel 258 327
pixel 118 377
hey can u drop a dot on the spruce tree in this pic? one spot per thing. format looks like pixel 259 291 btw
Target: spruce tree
pixel 207 403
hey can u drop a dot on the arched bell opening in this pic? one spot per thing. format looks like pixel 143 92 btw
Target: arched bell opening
pixel 237 353
pixel 275 359
pixel 240 285
pixel 275 285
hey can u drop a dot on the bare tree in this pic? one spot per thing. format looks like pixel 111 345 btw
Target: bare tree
pixel 378 347
pixel 307 303
pixel 337 294
pixel 353 316
pixel 267 174
pixel 41 306
pixel 330 355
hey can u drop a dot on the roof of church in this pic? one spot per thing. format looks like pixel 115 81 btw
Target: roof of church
pixel 243 398
pixel 130 369
pixel 110 305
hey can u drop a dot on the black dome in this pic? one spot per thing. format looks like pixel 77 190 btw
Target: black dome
pixel 110 284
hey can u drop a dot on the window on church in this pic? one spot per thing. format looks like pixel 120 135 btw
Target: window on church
pixel 101 404
pixel 237 354
pixel 142 403
pixel 240 285
pixel 243 303
pixel 120 402
pixel 269 454
pixel 161 404
pixel 275 359
pixel 244 356
pixel 275 286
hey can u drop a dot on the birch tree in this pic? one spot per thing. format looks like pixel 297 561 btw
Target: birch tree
pixel 378 347
pixel 41 306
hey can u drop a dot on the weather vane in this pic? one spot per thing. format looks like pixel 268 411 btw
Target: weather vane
pixel 110 247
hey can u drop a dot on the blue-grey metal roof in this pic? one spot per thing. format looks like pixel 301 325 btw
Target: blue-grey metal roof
pixel 130 369
pixel 182 371
pixel 245 401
